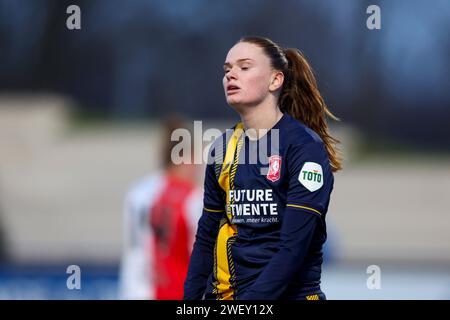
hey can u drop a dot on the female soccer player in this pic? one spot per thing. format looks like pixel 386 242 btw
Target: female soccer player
pixel 263 223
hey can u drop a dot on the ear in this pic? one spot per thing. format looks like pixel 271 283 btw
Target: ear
pixel 276 80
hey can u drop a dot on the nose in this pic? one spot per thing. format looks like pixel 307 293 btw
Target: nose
pixel 231 74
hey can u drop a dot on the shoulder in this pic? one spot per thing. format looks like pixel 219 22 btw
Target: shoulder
pixel 302 144
pixel 143 189
pixel 297 134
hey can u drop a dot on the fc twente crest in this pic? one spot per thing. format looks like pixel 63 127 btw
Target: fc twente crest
pixel 274 168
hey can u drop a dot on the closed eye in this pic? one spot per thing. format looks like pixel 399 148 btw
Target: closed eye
pixel 242 68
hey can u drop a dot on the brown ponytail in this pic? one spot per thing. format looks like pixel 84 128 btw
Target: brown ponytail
pixel 300 96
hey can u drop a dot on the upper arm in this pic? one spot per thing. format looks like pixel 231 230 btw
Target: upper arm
pixel 310 178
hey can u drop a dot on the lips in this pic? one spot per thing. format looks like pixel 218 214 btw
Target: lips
pixel 231 88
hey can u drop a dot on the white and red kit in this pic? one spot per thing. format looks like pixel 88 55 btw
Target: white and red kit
pixel 160 220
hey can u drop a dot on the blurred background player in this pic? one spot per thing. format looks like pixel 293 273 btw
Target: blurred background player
pixel 160 218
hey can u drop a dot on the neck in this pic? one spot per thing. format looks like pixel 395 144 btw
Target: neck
pixel 260 118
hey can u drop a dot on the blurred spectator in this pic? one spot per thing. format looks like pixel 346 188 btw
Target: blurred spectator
pixel 161 214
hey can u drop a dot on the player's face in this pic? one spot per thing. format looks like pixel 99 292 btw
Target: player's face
pixel 247 75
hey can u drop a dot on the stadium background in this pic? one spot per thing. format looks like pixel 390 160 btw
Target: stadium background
pixel 80 119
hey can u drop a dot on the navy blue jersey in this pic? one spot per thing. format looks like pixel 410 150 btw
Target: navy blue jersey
pixel 263 223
